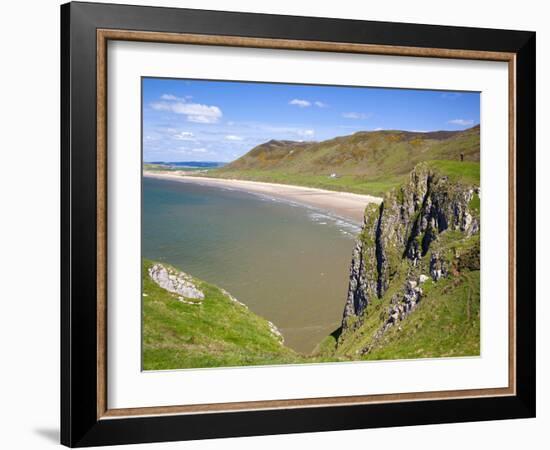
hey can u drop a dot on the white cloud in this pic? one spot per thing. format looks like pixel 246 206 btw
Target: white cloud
pixel 306 133
pixel 355 115
pixel 195 112
pixel 462 122
pixel 161 106
pixel 171 97
pixel 164 130
pixel 184 136
pixel 232 137
pixel 299 102
pixel 320 104
pixel 199 150
pixel 198 113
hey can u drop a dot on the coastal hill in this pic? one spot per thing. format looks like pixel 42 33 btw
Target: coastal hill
pixel 413 288
pixel 366 162
pixel 414 276
pixel 188 323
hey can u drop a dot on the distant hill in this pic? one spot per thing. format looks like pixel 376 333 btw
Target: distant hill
pixel 366 162
pixel 186 164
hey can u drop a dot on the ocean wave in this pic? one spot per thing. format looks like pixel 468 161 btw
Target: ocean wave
pixel 347 228
pixel 320 217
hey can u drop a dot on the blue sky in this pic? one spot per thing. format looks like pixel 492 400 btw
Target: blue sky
pixel 198 120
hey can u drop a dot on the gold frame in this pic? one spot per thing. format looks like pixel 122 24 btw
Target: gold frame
pixel 103 36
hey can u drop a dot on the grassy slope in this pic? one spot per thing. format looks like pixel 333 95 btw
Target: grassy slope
pixel 445 323
pixel 466 172
pixel 365 162
pixel 447 320
pixel 219 332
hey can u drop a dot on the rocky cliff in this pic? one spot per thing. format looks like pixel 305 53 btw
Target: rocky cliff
pixel 425 230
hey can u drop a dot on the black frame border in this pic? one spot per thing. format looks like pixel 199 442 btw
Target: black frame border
pixel 79 423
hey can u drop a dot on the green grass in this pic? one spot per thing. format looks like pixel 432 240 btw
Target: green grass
pixel 446 320
pixel 217 332
pixel 345 183
pixel 444 324
pixel 220 332
pixel 466 172
pixel 475 204
pixel 365 162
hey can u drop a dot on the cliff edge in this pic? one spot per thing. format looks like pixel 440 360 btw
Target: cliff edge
pixel 414 276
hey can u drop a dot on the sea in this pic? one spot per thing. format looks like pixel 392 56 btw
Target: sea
pixel 287 262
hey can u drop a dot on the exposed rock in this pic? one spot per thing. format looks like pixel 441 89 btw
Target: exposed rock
pixel 175 281
pixel 362 285
pixel 402 305
pixel 398 234
pixel 275 331
pixel 272 328
pixel 233 299
pixel 187 302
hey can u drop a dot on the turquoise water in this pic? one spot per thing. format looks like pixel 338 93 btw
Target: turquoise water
pixel 287 262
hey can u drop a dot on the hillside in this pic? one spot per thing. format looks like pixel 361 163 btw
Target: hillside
pixel 413 289
pixel 414 277
pixel 189 323
pixel 370 162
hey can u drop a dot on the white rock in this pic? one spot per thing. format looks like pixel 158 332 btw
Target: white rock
pixel 175 282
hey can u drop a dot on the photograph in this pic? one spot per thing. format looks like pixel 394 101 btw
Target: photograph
pixel 291 221
pixel 303 224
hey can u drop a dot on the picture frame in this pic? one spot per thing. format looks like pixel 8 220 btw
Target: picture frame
pixel 86 418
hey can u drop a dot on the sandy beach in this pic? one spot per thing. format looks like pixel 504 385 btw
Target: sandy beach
pixel 344 204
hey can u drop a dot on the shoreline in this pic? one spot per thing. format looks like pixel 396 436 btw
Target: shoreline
pixel 345 204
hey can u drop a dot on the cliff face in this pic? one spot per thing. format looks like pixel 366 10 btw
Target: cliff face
pixel 427 228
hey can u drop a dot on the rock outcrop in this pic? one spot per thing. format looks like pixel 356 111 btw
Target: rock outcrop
pixel 407 237
pixel 176 282
pixel 182 285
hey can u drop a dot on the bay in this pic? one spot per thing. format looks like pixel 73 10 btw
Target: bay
pixel 287 262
